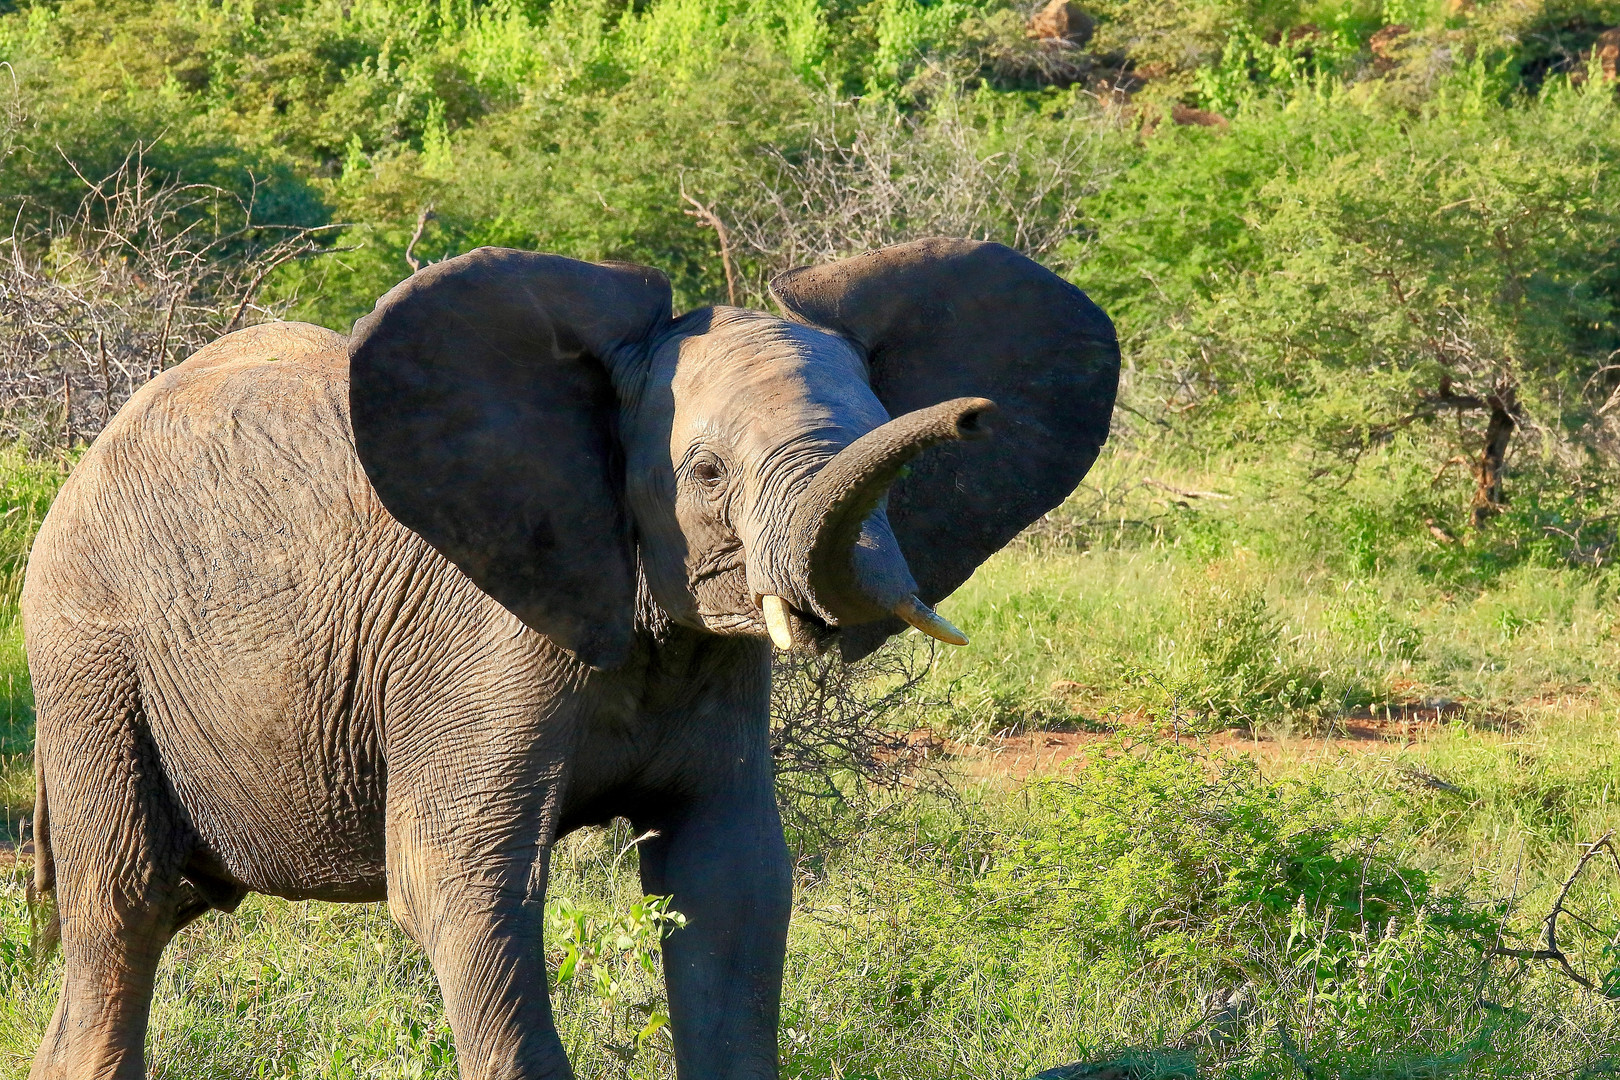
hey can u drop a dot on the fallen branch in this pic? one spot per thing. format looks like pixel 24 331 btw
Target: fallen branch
pixel 1551 951
pixel 1185 494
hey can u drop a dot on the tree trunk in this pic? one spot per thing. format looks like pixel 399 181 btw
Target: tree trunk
pixel 1488 499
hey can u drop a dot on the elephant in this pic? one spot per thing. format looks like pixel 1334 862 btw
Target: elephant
pixel 380 617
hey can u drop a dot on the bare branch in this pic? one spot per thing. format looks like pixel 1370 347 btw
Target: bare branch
pixel 866 176
pixel 91 306
pixel 426 215
pixel 1550 950
pixel 708 218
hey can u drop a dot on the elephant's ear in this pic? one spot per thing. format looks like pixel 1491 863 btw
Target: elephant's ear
pixel 485 416
pixel 941 319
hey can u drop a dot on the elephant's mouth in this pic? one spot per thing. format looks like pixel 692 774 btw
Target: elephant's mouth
pixel 793 630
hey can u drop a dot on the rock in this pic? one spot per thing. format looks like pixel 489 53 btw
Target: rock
pixel 1082 1071
pixel 1229 1014
pixel 1607 51
pixel 1062 21
pixel 1186 114
pixel 1134 1065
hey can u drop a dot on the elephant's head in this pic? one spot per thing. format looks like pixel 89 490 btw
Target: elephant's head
pixel 551 429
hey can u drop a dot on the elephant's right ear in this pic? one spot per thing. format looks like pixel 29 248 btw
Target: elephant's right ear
pixel 484 413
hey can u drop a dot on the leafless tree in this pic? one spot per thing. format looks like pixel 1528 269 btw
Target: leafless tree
pixel 146 272
pixel 868 175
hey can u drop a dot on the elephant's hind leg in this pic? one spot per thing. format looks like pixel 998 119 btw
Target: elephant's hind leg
pixel 119 848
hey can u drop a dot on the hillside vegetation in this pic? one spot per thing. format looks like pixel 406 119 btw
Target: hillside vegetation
pixel 1365 476
pixel 1325 230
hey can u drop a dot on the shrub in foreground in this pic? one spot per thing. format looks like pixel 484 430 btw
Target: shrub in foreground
pixel 1113 906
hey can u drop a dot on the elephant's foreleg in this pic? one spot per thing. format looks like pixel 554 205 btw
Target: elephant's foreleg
pixel 485 946
pixel 724 861
pixel 468 842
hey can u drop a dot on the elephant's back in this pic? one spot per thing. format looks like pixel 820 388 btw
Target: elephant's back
pixel 220 539
pixel 243 447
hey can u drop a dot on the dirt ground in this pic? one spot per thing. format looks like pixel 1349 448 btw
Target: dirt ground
pixel 1019 755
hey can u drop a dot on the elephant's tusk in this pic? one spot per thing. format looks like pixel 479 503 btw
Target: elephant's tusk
pixel 776 621
pixel 924 618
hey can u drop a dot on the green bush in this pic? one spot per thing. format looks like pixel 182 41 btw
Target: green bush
pixel 1154 865
pixel 1231 667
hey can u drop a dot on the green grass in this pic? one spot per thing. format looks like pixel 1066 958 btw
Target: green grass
pixel 28 483
pixel 1001 928
pixel 1209 609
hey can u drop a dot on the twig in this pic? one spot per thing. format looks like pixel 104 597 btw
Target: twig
pixel 162 355
pixel 258 279
pixel 106 382
pixel 1551 951
pixel 144 267
pixel 707 217
pixel 422 218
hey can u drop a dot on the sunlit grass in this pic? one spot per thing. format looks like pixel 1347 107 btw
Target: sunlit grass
pixel 900 965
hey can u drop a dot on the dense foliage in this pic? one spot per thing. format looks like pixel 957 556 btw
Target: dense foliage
pixel 1325 227
pixel 1364 257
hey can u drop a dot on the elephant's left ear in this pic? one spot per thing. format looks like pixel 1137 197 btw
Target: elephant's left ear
pixel 942 319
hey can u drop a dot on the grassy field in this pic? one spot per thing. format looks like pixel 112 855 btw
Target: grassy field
pixel 1219 882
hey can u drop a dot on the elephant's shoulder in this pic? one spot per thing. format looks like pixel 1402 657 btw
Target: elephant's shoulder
pixel 279 357
pixel 268 342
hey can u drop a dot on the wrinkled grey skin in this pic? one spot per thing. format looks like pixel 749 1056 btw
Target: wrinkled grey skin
pixel 382 617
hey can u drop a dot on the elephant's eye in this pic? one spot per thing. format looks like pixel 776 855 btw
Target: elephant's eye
pixel 709 471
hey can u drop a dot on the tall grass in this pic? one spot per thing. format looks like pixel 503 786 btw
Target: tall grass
pixel 1215 593
pixel 28 483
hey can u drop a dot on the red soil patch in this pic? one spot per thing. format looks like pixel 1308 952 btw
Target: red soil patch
pixel 11 855
pixel 1024 754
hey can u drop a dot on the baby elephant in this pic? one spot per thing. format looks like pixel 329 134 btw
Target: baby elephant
pixel 383 616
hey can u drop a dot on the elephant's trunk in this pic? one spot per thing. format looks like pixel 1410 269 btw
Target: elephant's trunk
pixel 851 560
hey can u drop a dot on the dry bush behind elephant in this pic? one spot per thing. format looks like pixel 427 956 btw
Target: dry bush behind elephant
pixel 383 616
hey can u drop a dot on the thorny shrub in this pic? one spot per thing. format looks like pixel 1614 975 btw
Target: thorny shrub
pixel 148 271
pixel 839 740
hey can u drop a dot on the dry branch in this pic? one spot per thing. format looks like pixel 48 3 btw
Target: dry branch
pixel 1550 950
pixel 867 177
pixel 711 220
pixel 92 307
pixel 422 218
pixel 835 737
